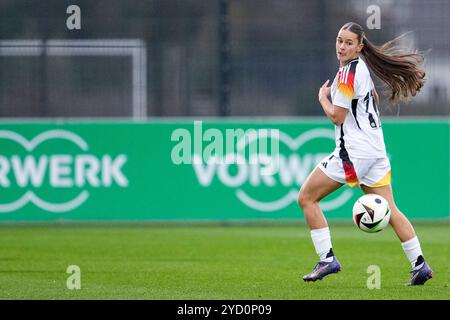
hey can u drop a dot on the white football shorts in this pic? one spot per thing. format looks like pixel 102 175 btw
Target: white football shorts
pixel 355 172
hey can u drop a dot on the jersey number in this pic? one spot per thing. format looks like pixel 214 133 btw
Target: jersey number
pixel 369 99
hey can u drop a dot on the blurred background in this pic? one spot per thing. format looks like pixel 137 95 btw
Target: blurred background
pixel 99 125
pixel 173 58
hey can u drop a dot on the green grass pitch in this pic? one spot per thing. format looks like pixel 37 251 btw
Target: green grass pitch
pixel 211 261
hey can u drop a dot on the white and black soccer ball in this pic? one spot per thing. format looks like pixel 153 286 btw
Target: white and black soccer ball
pixel 371 213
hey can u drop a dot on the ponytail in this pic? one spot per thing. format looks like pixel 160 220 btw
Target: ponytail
pixel 400 70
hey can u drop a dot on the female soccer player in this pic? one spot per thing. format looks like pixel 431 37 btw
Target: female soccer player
pixel 360 155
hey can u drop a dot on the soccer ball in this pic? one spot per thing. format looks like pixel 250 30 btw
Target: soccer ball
pixel 371 213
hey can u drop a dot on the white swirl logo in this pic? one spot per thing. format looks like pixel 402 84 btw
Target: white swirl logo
pixel 63 170
pixel 292 171
pixel 291 196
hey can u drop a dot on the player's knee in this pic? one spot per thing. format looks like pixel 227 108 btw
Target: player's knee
pixel 304 199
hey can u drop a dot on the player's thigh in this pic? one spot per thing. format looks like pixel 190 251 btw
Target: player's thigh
pixel 384 191
pixel 317 186
pixel 378 180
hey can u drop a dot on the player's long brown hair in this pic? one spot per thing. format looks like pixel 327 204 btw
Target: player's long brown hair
pixel 400 70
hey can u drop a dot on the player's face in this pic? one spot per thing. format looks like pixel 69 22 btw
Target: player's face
pixel 347 46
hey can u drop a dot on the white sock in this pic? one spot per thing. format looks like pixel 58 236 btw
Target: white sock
pixel 322 242
pixel 412 250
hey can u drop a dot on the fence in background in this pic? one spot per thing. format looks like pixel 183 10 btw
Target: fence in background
pixel 203 58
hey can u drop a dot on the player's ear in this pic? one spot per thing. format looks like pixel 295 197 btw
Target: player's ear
pixel 360 47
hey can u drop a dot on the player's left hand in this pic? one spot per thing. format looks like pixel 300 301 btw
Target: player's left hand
pixel 324 91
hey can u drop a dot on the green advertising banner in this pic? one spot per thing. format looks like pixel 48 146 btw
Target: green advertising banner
pixel 186 170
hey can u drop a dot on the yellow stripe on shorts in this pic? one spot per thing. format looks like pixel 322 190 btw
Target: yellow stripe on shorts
pixel 385 181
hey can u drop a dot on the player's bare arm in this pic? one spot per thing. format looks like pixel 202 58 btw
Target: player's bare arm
pixel 335 113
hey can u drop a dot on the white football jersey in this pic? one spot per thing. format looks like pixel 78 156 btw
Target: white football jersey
pixel 360 136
